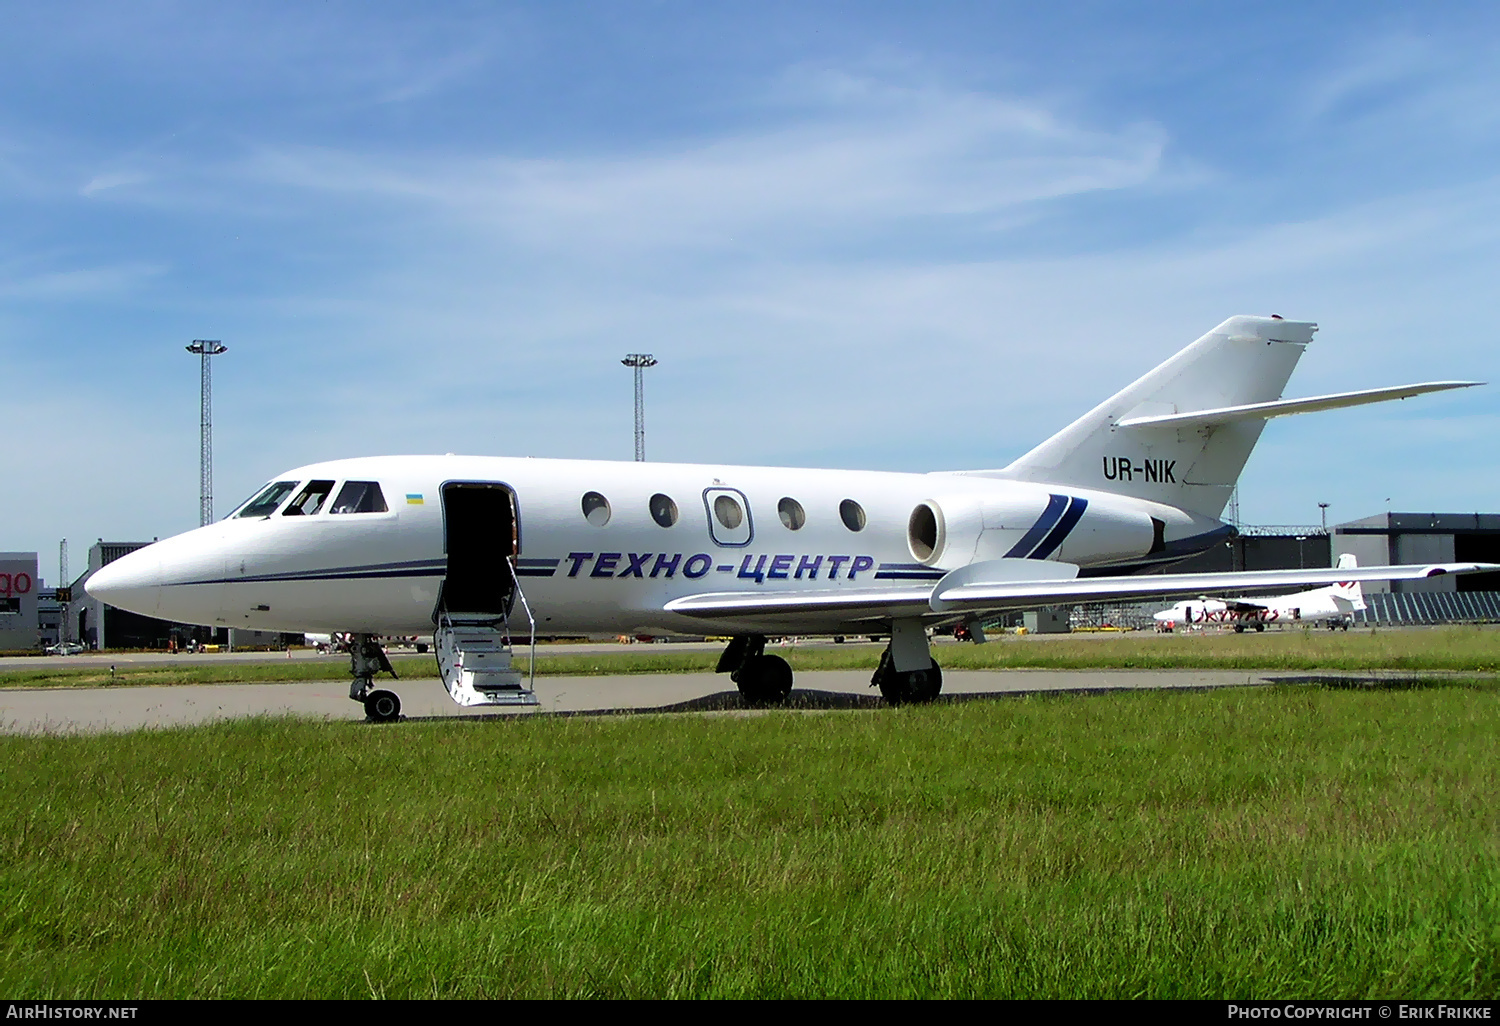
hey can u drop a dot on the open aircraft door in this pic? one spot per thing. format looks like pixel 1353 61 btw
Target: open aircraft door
pixel 481 539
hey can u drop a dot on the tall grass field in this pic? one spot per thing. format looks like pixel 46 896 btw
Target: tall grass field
pixel 1266 842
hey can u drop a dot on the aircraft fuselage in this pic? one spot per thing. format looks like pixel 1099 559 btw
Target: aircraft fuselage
pixel 603 546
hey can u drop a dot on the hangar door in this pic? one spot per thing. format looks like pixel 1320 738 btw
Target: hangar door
pixel 480 536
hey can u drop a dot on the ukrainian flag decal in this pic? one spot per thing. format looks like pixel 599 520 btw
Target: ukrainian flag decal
pixel 413 498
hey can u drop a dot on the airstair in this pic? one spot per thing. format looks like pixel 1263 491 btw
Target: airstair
pixel 475 654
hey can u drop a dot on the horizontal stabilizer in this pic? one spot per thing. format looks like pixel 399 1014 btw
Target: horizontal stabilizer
pixel 1287 407
pixel 969 594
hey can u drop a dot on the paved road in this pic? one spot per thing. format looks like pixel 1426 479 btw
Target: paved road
pixel 73 710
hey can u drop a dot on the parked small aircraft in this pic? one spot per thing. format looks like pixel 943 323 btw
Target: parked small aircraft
pixel 415 544
pixel 1334 605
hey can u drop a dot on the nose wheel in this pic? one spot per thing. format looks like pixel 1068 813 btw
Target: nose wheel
pixel 383 706
pixel 366 659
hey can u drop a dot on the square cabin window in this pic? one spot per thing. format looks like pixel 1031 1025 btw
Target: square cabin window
pixel 359 497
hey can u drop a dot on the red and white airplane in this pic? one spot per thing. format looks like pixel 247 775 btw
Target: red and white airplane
pixel 480 550
pixel 1334 605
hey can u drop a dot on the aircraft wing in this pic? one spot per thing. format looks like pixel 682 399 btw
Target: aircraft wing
pixel 982 586
pixel 1003 585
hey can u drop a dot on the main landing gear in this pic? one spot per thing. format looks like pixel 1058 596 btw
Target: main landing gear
pixel 366 659
pixel 907 673
pixel 762 679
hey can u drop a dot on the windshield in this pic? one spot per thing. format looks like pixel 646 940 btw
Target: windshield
pixel 264 504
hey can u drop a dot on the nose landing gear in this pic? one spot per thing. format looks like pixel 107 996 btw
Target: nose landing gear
pixel 366 659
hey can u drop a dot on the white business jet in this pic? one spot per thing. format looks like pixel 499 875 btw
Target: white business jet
pixel 468 546
pixel 1334 605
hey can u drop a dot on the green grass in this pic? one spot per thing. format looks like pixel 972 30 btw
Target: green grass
pixel 1467 649
pixel 1272 842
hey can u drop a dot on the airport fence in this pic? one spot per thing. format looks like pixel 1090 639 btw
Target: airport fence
pixel 1422 607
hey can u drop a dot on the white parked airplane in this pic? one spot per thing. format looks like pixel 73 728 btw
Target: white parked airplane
pixel 1334 605
pixel 464 546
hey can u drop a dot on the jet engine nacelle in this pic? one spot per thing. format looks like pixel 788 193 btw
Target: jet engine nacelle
pixel 953 531
pixel 1112 531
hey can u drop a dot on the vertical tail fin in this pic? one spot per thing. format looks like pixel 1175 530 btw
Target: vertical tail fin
pixel 1352 592
pixel 1244 360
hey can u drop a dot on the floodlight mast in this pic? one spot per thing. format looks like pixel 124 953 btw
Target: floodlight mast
pixel 640 361
pixel 206 348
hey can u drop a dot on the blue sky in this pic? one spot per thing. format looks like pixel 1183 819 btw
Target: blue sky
pixel 864 235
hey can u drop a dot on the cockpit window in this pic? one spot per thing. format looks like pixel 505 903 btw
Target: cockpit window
pixel 264 504
pixel 309 500
pixel 359 497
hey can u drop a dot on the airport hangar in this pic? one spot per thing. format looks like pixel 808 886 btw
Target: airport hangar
pixel 30 616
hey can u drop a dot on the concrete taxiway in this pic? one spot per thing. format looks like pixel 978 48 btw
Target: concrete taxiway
pixel 94 709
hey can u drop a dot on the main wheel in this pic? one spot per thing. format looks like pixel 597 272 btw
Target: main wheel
pixel 383 706
pixel 912 687
pixel 764 679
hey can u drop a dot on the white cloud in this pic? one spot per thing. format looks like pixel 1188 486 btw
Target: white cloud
pixel 17 283
pixel 856 168
pixel 113 180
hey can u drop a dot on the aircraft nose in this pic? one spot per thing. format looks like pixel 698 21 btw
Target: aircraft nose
pixel 132 582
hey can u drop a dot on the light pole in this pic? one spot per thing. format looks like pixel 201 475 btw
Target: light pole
pixel 1323 508
pixel 640 361
pixel 206 348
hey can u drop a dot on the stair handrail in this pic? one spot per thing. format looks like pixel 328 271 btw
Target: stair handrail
pixel 516 580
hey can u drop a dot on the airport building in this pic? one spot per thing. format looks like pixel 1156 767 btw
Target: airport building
pixel 1424 538
pixel 20 590
pixel 1275 547
pixel 100 626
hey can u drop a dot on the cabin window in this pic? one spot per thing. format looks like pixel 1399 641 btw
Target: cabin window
pixel 309 500
pixel 359 497
pixel 595 509
pixel 729 512
pixel 264 504
pixel 728 516
pixel 663 510
pixel 852 514
pixel 792 514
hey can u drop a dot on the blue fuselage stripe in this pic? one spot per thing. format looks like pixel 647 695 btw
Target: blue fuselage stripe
pixel 1056 504
pixel 1059 534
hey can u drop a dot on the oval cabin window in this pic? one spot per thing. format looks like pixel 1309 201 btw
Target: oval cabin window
pixel 663 510
pixel 793 516
pixel 852 514
pixel 595 509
